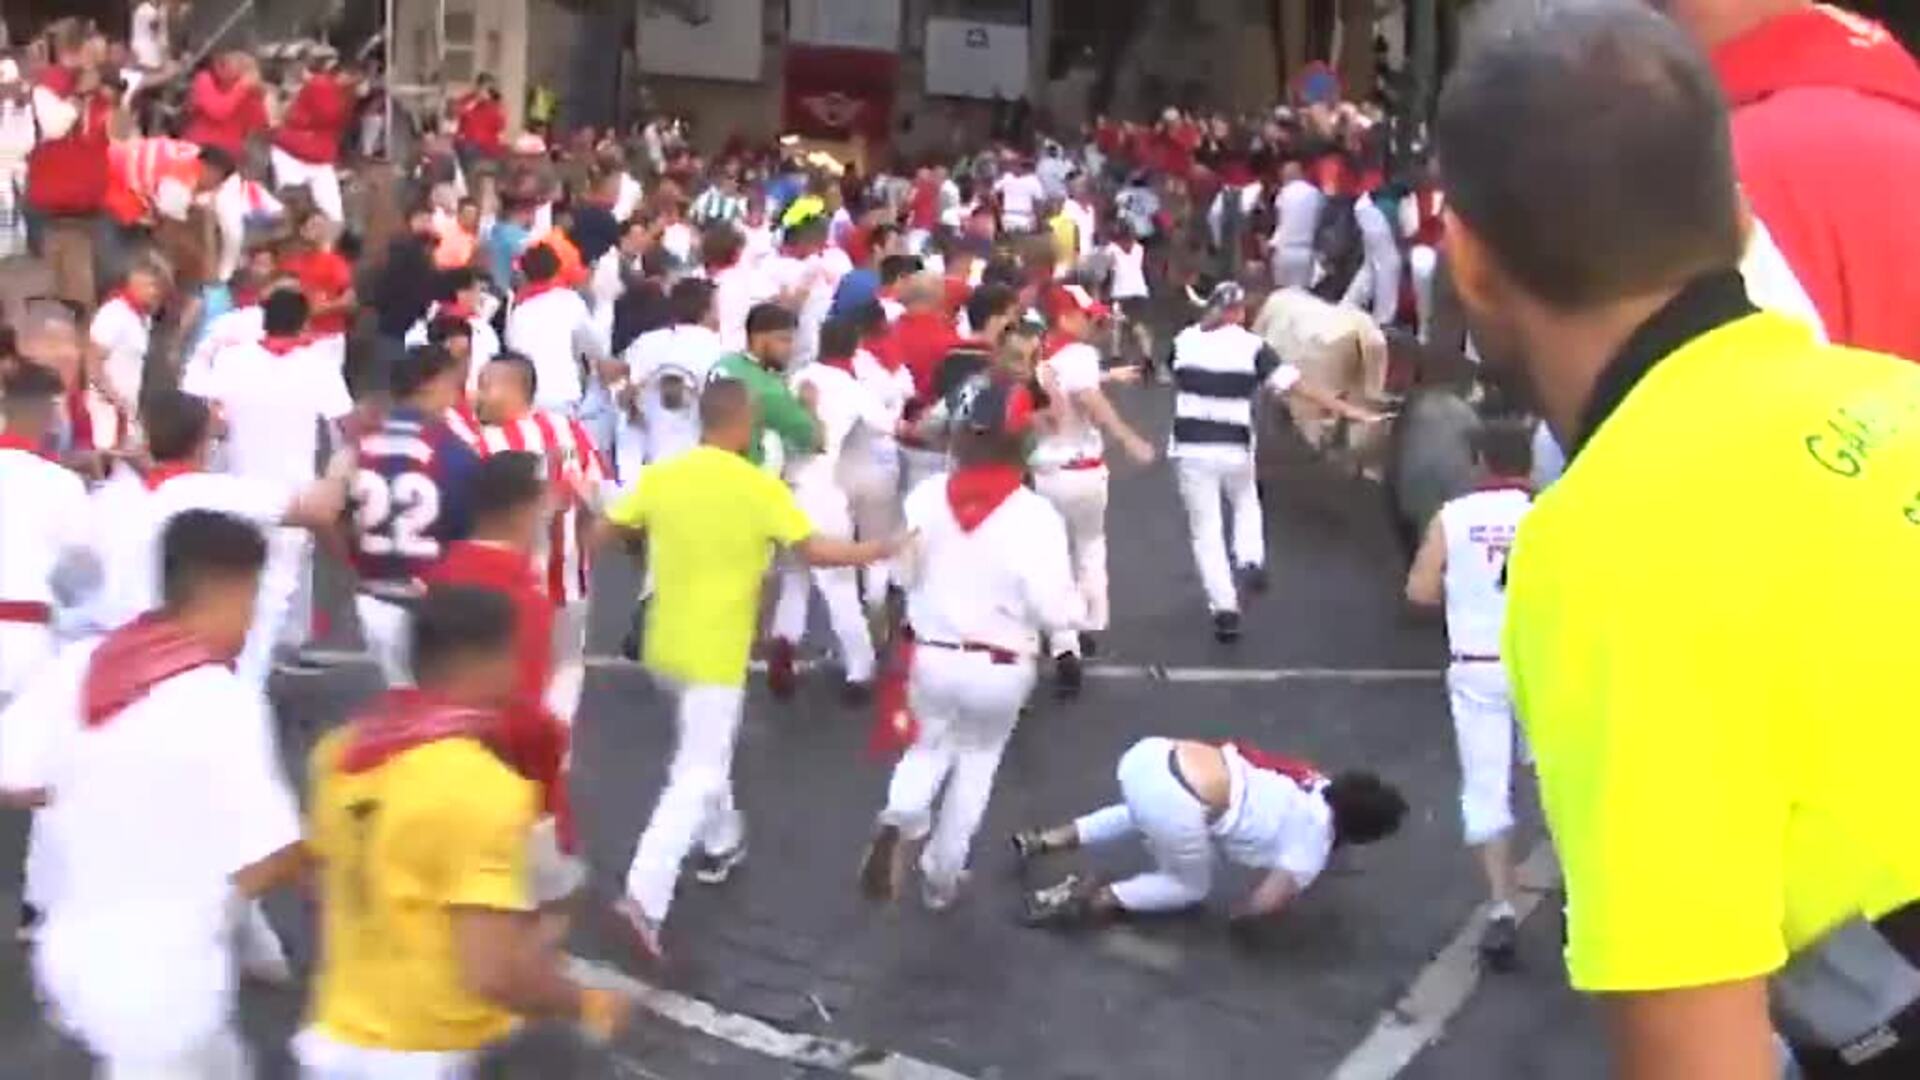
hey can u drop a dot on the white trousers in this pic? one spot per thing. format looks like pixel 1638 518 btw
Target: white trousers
pixel 386 628
pixel 284 611
pixel 1293 266
pixel 322 1058
pixel 24 649
pixel 221 1056
pixel 697 804
pixel 917 466
pixel 321 180
pixel 1424 263
pixel 839 587
pixel 629 451
pixel 967 706
pixel 1203 484
pixel 873 496
pixel 1484 732
pixel 1159 809
pixel 569 660
pixel 1081 497
pixel 1376 287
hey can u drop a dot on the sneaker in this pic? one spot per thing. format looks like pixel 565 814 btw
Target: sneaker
pixel 782 679
pixel 1226 627
pixel 1029 844
pixel 716 869
pixel 1254 579
pixel 1089 644
pixel 856 695
pixel 1057 905
pixel 881 869
pixel 939 896
pixel 1500 945
pixel 1068 675
pixel 642 930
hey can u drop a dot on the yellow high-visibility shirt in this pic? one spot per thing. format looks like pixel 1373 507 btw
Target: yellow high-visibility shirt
pixel 712 520
pixel 1710 634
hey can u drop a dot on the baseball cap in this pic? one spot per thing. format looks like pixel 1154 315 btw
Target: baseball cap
pixel 1066 298
pixel 994 406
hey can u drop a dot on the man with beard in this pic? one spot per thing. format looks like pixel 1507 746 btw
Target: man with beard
pixel 1699 630
pixel 762 367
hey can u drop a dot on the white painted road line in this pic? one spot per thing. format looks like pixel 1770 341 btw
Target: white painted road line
pixel 1442 988
pixel 1094 670
pixel 812 1051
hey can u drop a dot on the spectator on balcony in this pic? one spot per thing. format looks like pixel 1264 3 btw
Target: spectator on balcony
pixel 226 105
pixel 307 143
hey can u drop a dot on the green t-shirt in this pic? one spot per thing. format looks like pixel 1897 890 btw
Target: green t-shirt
pixel 774 407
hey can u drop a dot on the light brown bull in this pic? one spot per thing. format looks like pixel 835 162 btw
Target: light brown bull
pixel 1340 350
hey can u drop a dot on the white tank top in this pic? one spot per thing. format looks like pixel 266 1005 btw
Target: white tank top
pixel 1480 528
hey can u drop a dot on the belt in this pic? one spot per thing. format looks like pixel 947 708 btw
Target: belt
pixel 1173 766
pixel 1085 464
pixel 29 612
pixel 1892 1050
pixel 993 652
pixel 1475 658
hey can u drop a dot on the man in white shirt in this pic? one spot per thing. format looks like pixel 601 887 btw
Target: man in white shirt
pixel 1126 259
pixel 147 41
pixel 738 287
pixel 848 414
pixel 611 272
pixel 1187 799
pixel 1070 466
pixel 1020 193
pixel 122 331
pixel 666 369
pixel 986 576
pixel 1297 217
pixel 1079 207
pixel 1462 566
pixel 165 804
pixel 44 538
pixel 550 325
pixel 806 275
pixel 469 302
pixel 870 469
pixel 236 202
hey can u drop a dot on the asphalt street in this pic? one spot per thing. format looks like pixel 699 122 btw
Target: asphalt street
pixel 786 972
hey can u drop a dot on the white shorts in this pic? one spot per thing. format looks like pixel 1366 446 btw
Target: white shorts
pixel 1483 730
pixel 324 1058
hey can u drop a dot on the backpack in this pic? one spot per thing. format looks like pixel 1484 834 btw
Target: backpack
pixel 1339 245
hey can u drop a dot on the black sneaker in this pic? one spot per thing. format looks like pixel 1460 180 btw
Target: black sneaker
pixel 1500 945
pixel 1068 676
pixel 1254 579
pixel 716 869
pixel 1226 627
pixel 1089 645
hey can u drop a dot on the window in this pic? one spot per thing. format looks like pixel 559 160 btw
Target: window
pixel 459 42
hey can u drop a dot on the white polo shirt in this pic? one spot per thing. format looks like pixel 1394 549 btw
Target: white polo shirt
pixel 1000 585
pixel 1273 822
pixel 128 519
pixel 1020 198
pixel 736 291
pixel 123 336
pixel 151 814
pixel 1074 441
pixel 273 405
pixel 844 406
pixel 1129 271
pixel 553 329
pixel 43 528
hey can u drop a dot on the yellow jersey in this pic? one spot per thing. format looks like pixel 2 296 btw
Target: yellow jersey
pixel 437 827
pixel 1709 637
pixel 712 521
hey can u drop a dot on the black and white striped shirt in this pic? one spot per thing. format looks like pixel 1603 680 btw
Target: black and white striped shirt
pixel 1218 373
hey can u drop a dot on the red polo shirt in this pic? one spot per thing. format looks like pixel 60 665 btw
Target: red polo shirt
pixel 1826 132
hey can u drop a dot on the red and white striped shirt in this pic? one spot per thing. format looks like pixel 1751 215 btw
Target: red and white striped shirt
pixel 564 446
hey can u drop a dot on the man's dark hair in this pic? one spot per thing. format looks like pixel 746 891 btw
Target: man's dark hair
pixel 421 365
pixel 540 263
pixel 1505 446
pixel 201 546
pixel 989 302
pixel 895 267
pixel 176 423
pixel 284 313
pixel 445 328
pixel 521 366
pixel 721 245
pixel 506 482
pixel 456 281
pixel 722 403
pixel 839 338
pixel 452 623
pixel 770 319
pixel 1365 808
pixel 30 384
pixel 691 300
pixel 218 161
pixel 870 319
pixel 1586 145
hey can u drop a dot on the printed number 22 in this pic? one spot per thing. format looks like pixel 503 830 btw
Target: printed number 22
pixel 394 515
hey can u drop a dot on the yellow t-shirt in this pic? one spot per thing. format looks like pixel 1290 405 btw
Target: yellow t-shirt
pixel 1066 240
pixel 440 826
pixel 712 520
pixel 1710 636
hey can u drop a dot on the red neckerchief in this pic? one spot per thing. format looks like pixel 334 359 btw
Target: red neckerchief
pixel 1820 46
pixel 881 348
pixel 1056 342
pixel 136 658
pixel 538 288
pixel 10 441
pixel 1294 769
pixel 163 472
pixel 714 270
pixel 976 491
pixel 126 297
pixel 245 298
pixel 454 309
pixel 281 346
pixel 404 719
pixel 1504 483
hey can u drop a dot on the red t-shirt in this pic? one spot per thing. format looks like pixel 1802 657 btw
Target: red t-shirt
pixel 1826 136
pixel 481 123
pixel 921 339
pixel 325 276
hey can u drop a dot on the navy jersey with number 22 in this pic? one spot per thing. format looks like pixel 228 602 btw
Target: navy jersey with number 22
pixel 409 500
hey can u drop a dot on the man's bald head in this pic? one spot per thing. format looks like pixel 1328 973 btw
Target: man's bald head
pixel 1584 145
pixel 922 292
pixel 726 415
